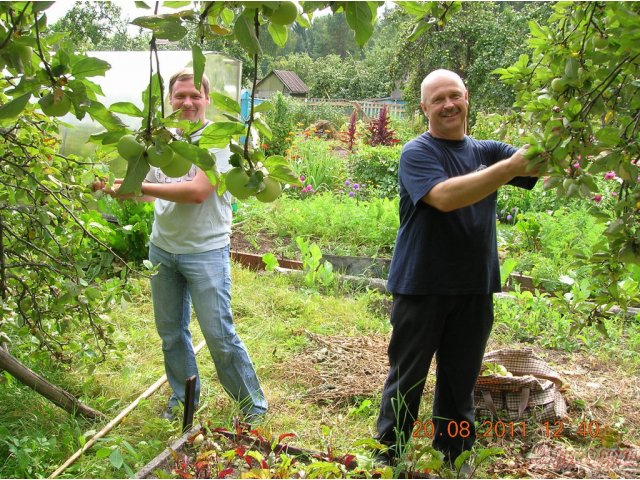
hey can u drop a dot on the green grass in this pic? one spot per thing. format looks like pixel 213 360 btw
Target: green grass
pixel 272 315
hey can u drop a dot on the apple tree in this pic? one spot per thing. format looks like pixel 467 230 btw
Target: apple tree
pixel 578 95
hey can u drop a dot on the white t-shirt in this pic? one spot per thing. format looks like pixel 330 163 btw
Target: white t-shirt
pixel 189 227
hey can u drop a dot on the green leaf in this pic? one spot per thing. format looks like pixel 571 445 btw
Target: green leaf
pixel 103 452
pixel 414 9
pixel 245 33
pixel 218 134
pixel 460 459
pixel 270 261
pixel 200 156
pixel 156 80
pixel 126 108
pixel 275 160
pixel 108 137
pixel 92 293
pixel 116 458
pixel 360 20
pixel 263 107
pixel 279 33
pixel 104 117
pixel 227 16
pixel 263 128
pixel 14 107
pixel 284 174
pixel 40 6
pixel 506 268
pixel 571 68
pixel 142 5
pixel 175 4
pixel 609 136
pixel 89 67
pixel 485 453
pixel 137 170
pixel 420 28
pixel 225 103
pixel 162 26
pixel 199 61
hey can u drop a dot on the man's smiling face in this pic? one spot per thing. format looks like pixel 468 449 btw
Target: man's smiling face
pixel 446 104
pixel 192 102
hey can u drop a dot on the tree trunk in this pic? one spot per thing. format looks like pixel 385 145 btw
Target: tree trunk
pixel 32 380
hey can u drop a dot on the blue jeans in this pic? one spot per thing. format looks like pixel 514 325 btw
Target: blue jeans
pixel 204 279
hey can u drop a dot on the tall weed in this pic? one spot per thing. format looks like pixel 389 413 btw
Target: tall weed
pixel 315 161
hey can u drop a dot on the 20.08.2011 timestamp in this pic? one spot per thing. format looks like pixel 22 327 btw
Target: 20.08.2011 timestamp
pixel 500 429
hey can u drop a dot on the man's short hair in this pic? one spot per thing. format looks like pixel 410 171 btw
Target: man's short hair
pixel 187 74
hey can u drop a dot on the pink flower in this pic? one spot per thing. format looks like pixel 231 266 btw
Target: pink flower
pixel 610 175
pixel 302 177
pixel 576 165
pixel 614 194
pixel 597 198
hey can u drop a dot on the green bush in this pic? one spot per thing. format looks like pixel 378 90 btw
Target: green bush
pixel 132 231
pixel 281 123
pixel 377 169
pixel 542 243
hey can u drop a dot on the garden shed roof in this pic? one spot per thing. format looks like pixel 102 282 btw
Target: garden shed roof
pixel 290 80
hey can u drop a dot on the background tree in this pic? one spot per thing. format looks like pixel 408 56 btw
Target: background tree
pixel 99 26
pixel 481 37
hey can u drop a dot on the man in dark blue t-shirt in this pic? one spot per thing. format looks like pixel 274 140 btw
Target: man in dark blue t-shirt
pixel 444 268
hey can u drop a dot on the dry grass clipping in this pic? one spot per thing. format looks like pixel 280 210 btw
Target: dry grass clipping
pixel 336 369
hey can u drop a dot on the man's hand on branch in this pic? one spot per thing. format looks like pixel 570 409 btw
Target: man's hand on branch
pixel 523 165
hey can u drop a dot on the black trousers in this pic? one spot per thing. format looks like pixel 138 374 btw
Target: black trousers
pixel 455 328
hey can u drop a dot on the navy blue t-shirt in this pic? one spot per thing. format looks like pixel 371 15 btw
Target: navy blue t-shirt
pixel 452 253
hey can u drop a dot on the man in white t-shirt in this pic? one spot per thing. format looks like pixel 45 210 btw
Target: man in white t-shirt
pixel 190 242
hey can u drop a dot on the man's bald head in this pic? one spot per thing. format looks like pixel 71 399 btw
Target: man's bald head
pixel 433 77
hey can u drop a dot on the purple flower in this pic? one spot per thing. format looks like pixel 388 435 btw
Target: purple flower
pixel 502 212
pixel 513 210
pixel 509 218
pixel 351 194
pixel 597 198
pixel 302 177
pixel 347 182
pixel 610 175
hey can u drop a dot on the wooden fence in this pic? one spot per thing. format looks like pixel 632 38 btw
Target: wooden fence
pixel 366 108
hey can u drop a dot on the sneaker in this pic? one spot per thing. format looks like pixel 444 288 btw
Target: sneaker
pixel 170 413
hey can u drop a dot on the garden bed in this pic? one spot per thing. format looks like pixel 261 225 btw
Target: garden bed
pixel 219 453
